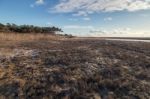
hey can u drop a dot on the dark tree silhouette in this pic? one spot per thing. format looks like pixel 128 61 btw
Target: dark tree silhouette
pixel 28 29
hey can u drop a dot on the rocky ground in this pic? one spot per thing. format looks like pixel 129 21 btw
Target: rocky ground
pixel 75 69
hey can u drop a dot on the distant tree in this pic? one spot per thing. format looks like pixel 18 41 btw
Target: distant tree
pixel 2 27
pixel 28 29
pixel 68 35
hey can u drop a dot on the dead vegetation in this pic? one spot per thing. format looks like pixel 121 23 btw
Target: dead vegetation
pixel 75 69
pixel 27 37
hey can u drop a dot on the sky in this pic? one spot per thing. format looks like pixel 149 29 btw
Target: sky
pixel 125 18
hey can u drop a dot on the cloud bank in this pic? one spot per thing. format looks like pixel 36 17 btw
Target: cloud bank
pixel 118 32
pixel 90 31
pixel 85 7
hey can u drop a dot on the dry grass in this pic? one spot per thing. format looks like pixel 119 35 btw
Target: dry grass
pixel 74 69
pixel 27 37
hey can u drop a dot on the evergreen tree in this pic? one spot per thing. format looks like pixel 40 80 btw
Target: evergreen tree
pixel 28 29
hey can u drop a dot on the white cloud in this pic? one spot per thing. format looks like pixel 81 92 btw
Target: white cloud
pixel 108 19
pixel 79 19
pixel 86 19
pixel 80 13
pixel 85 7
pixel 118 32
pixel 73 19
pixel 90 31
pixel 78 27
pixel 48 23
pixel 39 2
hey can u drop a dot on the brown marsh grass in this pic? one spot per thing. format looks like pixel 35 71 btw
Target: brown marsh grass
pixel 27 37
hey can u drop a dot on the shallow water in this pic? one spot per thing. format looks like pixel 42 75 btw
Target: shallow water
pixel 135 40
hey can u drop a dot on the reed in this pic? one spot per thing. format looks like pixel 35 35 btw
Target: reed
pixel 27 37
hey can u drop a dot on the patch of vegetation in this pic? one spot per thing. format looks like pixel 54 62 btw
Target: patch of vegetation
pixel 76 69
pixel 27 29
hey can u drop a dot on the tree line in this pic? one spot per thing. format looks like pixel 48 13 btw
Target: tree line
pixel 28 29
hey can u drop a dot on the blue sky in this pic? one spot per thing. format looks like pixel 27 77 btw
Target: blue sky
pixel 82 17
